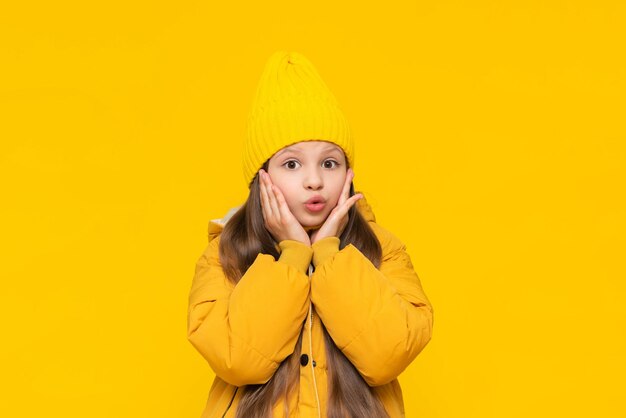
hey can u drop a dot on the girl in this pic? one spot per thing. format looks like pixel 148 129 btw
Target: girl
pixel 301 303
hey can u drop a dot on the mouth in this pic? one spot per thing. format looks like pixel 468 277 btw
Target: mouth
pixel 315 204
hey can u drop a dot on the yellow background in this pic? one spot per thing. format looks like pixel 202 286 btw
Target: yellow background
pixel 490 138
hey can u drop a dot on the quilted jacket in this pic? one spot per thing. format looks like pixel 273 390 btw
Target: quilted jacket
pixel 379 318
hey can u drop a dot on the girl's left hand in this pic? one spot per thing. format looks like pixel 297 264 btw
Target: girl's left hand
pixel 338 217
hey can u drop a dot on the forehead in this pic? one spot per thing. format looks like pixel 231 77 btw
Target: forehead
pixel 306 147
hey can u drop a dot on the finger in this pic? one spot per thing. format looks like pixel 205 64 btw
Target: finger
pixel 273 201
pixel 271 196
pixel 265 203
pixel 345 193
pixel 342 214
pixel 348 204
pixel 285 212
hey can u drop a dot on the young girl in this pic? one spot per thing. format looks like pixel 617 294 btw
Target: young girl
pixel 301 303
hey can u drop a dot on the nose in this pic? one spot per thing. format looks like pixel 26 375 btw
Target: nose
pixel 313 180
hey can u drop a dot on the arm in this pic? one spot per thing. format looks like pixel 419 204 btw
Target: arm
pixel 380 319
pixel 246 331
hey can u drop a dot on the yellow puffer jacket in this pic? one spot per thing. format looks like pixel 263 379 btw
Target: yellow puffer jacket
pixel 380 319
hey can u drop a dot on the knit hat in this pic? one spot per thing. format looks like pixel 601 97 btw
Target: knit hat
pixel 292 104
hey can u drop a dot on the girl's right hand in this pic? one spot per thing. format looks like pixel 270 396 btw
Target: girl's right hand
pixel 279 220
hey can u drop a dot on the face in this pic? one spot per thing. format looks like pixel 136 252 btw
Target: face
pixel 311 175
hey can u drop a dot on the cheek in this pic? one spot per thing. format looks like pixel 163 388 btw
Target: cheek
pixel 277 181
pixel 285 191
pixel 337 189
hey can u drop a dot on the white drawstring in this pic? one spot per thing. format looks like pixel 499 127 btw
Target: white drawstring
pixel 317 397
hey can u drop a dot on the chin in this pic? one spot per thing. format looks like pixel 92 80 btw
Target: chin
pixel 312 222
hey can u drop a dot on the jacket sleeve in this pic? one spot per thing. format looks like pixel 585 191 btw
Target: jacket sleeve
pixel 380 319
pixel 246 331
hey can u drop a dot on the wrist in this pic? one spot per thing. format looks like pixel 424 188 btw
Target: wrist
pixel 295 253
pixel 324 249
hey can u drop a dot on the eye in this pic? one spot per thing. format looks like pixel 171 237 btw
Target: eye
pixel 330 164
pixel 291 164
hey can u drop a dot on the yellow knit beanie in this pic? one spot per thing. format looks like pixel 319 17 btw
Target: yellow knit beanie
pixel 292 104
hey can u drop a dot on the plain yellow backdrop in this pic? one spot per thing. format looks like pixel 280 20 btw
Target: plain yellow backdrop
pixel 490 138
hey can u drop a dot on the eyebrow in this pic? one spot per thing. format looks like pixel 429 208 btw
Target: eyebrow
pixel 298 151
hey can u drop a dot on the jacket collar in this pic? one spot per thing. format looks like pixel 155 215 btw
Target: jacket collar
pixel 217 225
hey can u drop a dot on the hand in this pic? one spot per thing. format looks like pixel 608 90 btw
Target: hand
pixel 338 217
pixel 279 220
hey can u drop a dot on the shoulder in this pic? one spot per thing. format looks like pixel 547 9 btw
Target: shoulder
pixel 211 253
pixel 216 226
pixel 389 242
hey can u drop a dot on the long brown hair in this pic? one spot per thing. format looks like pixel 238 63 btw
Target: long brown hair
pixel 349 396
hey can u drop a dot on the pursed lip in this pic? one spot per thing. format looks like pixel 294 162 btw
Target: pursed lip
pixel 315 199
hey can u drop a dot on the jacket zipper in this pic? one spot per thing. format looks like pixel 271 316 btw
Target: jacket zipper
pixel 319 412
pixel 231 402
pixel 317 398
